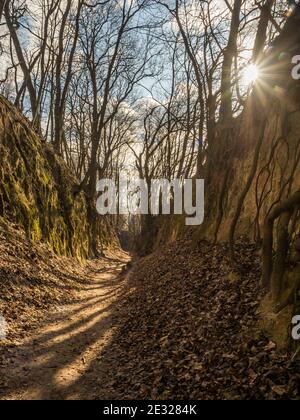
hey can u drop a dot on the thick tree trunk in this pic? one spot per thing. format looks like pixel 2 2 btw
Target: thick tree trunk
pixel 281 255
pixel 229 54
pixel 25 69
pixel 290 34
pixel 261 36
pixel 59 105
pixel 198 76
pixel 2 5
pixel 286 206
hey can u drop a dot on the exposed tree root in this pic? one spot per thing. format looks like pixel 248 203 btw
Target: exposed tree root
pixel 245 191
pixel 284 207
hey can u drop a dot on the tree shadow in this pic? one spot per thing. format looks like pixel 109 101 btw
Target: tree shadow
pixel 41 363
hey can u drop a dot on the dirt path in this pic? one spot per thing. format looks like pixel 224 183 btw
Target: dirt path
pixel 51 363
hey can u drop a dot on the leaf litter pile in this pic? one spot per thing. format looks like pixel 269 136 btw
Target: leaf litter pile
pixel 188 328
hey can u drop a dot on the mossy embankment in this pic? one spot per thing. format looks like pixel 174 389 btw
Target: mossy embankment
pixel 36 189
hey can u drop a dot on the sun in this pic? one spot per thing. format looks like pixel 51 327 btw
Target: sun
pixel 250 74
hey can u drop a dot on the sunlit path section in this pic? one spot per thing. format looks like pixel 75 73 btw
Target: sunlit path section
pixel 47 363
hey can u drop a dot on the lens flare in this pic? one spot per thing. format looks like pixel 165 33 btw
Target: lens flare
pixel 250 74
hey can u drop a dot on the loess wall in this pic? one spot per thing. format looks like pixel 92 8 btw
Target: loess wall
pixel 36 189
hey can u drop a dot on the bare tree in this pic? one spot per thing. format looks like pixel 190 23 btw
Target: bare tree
pixel 61 91
pixel 229 55
pixel 261 35
pixel 11 22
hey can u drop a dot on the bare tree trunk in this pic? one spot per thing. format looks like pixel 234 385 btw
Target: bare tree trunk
pixel 97 137
pixel 25 69
pixel 284 207
pixel 290 34
pixel 58 111
pixel 246 189
pixel 199 80
pixel 2 5
pixel 281 255
pixel 229 54
pixel 261 36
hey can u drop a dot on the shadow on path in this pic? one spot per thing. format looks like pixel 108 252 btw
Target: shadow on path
pixel 51 360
